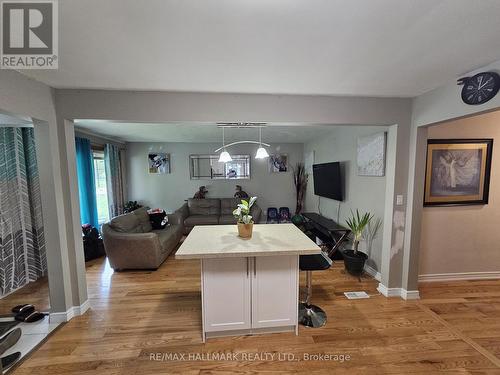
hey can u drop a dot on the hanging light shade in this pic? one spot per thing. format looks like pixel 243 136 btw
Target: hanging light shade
pixel 225 157
pixel 261 151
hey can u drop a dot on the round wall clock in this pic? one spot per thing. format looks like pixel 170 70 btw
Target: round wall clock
pixel 480 88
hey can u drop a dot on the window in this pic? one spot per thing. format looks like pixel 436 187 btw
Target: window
pixel 101 191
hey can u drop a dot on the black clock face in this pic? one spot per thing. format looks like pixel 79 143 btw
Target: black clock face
pixel 480 88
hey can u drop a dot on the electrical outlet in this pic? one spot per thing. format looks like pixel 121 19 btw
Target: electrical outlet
pixel 399 200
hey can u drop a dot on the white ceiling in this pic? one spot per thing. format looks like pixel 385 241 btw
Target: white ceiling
pixel 199 132
pixel 333 47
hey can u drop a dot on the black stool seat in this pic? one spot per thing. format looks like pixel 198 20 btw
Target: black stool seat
pixel 312 315
pixel 315 262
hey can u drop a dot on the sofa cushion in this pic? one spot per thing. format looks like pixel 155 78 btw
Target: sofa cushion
pixel 143 216
pixel 227 219
pixel 228 205
pixel 127 223
pixel 168 237
pixel 193 220
pixel 208 206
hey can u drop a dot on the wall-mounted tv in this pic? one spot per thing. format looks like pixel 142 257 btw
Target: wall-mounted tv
pixel 328 181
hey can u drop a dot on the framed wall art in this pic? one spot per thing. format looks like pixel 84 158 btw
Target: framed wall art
pixel 457 171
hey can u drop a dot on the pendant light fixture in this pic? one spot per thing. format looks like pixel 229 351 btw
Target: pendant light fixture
pixel 261 151
pixel 224 155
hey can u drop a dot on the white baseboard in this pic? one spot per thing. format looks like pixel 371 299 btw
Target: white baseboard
pixel 66 316
pixel 398 292
pixel 373 272
pixel 388 292
pixel 459 276
pixel 410 294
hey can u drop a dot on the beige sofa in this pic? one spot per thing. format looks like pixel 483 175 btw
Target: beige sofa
pixel 212 211
pixel 131 243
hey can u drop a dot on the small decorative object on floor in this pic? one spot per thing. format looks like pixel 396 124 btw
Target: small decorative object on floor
pixel 200 194
pixel 158 218
pixel 354 260
pixel 240 193
pixel 245 222
pixel 131 206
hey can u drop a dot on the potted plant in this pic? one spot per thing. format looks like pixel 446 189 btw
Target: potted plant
pixel 245 222
pixel 354 260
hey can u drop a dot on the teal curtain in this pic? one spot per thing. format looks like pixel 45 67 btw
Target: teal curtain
pixel 22 243
pixel 114 179
pixel 86 182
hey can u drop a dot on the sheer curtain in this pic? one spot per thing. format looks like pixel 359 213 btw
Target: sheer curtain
pixel 22 243
pixel 86 182
pixel 114 179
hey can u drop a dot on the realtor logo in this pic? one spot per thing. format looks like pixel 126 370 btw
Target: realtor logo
pixel 29 34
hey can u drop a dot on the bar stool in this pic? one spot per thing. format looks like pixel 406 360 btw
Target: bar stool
pixel 312 315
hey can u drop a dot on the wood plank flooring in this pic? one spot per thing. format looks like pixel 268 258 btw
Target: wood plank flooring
pixel 453 329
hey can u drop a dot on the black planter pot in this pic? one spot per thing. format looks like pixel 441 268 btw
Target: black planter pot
pixel 354 263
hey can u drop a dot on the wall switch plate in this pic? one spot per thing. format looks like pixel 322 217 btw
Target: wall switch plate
pixel 399 200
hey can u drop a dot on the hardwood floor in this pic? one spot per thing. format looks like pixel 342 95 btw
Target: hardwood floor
pixel 35 293
pixel 454 328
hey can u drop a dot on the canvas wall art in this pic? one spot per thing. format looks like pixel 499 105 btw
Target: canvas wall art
pixel 457 171
pixel 278 163
pixel 159 162
pixel 371 155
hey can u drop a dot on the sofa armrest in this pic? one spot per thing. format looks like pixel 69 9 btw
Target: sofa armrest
pixel 175 218
pixel 256 213
pixel 182 211
pixel 131 250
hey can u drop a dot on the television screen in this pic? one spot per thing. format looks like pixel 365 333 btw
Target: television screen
pixel 328 181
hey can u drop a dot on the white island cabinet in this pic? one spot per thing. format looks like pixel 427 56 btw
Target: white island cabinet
pixel 249 286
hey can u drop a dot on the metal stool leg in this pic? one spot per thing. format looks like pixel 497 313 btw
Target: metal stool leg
pixel 310 315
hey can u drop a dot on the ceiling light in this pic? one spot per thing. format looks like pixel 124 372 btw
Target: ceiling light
pixel 261 151
pixel 225 157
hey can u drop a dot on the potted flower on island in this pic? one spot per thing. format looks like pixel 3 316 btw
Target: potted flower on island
pixel 354 260
pixel 245 222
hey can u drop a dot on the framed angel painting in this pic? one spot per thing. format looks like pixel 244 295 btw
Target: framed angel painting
pixel 457 171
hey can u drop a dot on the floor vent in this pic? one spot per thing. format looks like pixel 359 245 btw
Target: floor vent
pixel 356 295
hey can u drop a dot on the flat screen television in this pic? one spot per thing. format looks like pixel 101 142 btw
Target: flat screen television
pixel 328 181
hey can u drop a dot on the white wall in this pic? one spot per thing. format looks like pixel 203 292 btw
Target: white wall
pixel 361 192
pixel 169 191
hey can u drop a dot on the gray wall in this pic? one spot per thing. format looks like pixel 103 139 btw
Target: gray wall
pixel 25 97
pixel 169 191
pixel 361 192
pixel 179 107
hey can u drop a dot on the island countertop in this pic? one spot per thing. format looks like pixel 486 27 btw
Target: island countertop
pixel 217 241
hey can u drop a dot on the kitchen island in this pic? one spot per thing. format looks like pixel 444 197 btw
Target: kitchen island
pixel 248 286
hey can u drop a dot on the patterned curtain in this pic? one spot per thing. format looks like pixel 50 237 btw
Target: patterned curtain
pixel 22 244
pixel 114 179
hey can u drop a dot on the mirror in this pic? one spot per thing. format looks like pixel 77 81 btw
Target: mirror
pixel 207 167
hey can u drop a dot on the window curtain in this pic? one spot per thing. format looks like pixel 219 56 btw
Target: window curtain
pixel 22 243
pixel 114 179
pixel 86 182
